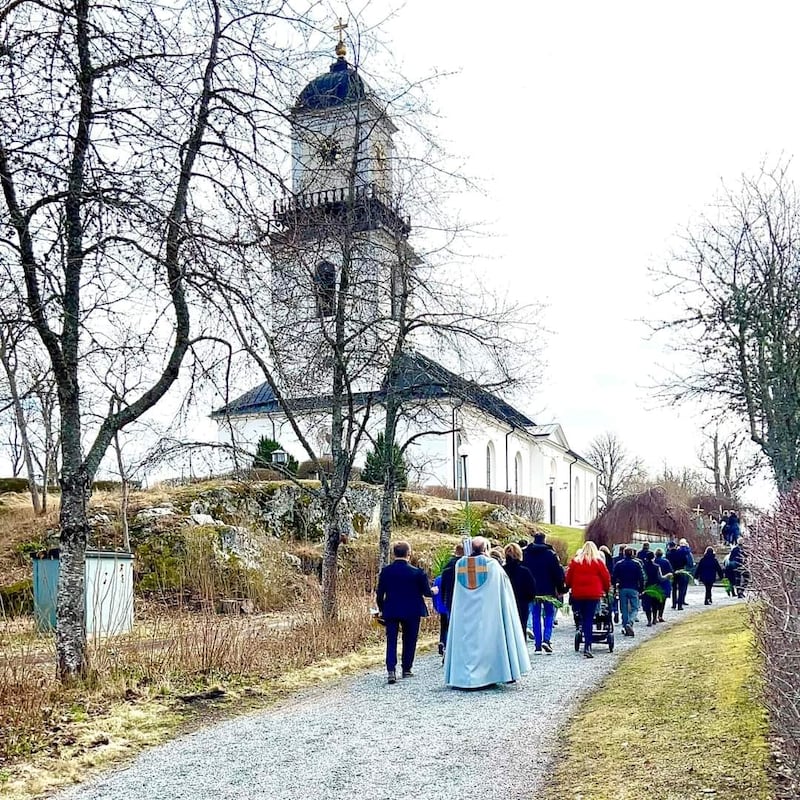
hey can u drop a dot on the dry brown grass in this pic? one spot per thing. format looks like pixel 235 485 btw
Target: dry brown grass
pixel 133 696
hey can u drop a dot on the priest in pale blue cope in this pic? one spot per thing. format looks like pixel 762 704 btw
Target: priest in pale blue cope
pixel 485 643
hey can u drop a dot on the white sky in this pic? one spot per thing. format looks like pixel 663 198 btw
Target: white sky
pixel 601 130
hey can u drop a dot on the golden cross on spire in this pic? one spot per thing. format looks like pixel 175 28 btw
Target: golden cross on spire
pixel 341 50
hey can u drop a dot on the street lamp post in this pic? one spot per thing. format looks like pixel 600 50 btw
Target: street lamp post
pixel 464 477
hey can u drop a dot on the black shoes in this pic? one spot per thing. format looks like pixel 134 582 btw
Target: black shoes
pixel 392 677
pixel 587 654
pixel 547 647
pixel 628 630
pixel 407 673
pixel 441 648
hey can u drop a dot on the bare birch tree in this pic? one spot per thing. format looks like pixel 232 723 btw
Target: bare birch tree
pixel 620 472
pixel 133 140
pixel 736 285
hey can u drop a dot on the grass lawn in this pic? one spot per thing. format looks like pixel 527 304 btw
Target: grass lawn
pixel 677 720
pixel 572 536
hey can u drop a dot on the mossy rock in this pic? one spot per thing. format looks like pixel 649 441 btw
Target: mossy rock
pixel 16 599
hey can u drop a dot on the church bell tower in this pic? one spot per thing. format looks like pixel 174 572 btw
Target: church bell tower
pixel 338 240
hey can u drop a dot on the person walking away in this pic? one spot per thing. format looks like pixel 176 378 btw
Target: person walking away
pixel 548 575
pixel 666 581
pixel 736 572
pixel 653 594
pixel 485 643
pixel 401 594
pixel 588 581
pixel 645 549
pixel 734 528
pixel 707 571
pixel 522 582
pixel 629 582
pixel 442 601
pixel 680 559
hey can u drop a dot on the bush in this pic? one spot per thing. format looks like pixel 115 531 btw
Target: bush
pixel 561 548
pixel 16 599
pixel 377 462
pixel 308 469
pixel 19 485
pixel 772 555
pixel 531 508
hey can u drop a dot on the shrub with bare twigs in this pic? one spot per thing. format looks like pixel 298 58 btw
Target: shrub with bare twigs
pixel 773 562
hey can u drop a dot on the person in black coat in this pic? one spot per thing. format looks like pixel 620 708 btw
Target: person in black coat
pixel 680 559
pixel 548 575
pixel 707 571
pixel 401 594
pixel 522 582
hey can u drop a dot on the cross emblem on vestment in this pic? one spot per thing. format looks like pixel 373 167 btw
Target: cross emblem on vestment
pixel 471 571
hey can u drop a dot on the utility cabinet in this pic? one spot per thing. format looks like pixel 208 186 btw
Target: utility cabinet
pixel 108 592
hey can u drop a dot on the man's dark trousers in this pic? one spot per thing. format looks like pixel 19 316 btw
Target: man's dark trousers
pixel 410 629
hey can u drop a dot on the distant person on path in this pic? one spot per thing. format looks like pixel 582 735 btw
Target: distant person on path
pixel 629 581
pixel 645 549
pixel 666 582
pixel 588 581
pixel 548 575
pixel 707 571
pixel 522 583
pixel 401 594
pixel 736 571
pixel 653 594
pixel 485 643
pixel 680 559
pixel 732 530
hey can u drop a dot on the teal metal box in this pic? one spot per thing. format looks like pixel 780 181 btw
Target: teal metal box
pixel 108 592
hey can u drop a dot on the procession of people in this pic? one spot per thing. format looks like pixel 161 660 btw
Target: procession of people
pixel 490 600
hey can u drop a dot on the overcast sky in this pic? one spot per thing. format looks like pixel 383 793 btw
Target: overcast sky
pixel 600 130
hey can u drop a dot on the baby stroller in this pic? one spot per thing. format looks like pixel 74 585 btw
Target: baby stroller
pixel 602 627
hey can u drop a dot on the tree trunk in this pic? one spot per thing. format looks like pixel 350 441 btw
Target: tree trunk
pixel 336 528
pixel 74 527
pixel 387 506
pixel 123 511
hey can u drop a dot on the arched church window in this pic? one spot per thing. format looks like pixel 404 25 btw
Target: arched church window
pixel 489 465
pixel 577 510
pixel 325 288
pixel 518 474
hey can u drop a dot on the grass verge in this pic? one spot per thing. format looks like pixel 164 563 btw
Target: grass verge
pixel 574 537
pixel 677 720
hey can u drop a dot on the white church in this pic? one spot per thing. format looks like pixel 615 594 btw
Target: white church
pixel 343 206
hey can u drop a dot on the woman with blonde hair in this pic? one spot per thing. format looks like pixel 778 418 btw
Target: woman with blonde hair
pixel 588 580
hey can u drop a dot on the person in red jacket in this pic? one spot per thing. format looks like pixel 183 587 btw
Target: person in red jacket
pixel 588 580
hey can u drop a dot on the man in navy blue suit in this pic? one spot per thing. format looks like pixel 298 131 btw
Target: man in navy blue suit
pixel 401 594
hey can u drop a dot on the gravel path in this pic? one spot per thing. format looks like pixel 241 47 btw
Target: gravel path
pixel 364 740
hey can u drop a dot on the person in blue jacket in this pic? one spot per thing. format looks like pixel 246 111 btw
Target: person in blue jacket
pixel 401 594
pixel 548 576
pixel 707 571
pixel 628 578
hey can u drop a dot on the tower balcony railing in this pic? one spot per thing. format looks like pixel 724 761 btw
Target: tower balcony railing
pixel 364 207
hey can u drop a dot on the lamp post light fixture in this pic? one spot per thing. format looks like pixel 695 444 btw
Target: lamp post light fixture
pixel 279 457
pixel 463 457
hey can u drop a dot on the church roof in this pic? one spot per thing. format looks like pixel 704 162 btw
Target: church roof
pixel 416 377
pixel 340 86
